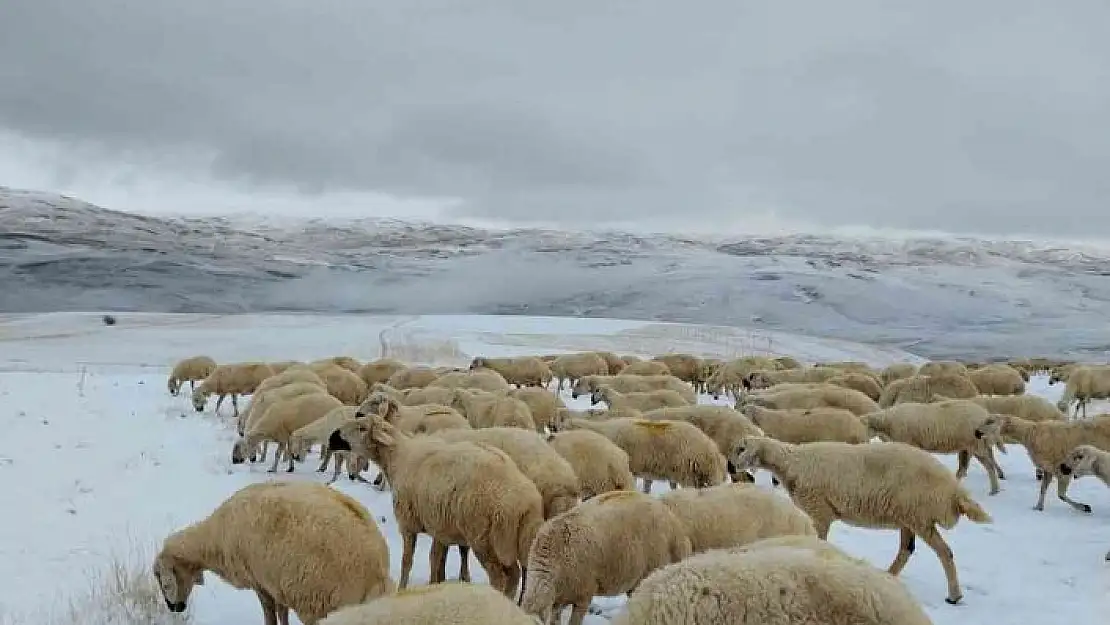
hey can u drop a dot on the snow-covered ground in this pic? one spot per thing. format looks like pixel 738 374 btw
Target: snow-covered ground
pixel 98 460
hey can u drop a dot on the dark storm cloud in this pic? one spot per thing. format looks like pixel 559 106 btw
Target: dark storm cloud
pixel 986 116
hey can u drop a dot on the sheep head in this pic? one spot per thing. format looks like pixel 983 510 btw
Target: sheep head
pixel 172 385
pixel 478 363
pixel 372 437
pixel 200 397
pixel 1081 461
pixel 599 395
pixel 176 577
pixel 754 452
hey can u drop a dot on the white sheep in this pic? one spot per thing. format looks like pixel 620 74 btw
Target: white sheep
pixel 1048 444
pixel 880 485
pixel 543 404
pixel 863 382
pixel 320 431
pixel 487 380
pixel 633 384
pixel 921 388
pixel 572 367
pixel 786 397
pixel 331 552
pixel 602 547
pixel 342 383
pixel 420 419
pixel 1087 460
pixel 290 375
pixel 600 465
pixel 808 425
pixel 665 450
pixel 897 371
pixel 428 395
pixel 651 400
pixel 469 494
pixel 346 362
pixel 997 379
pixel 234 379
pixel 522 371
pixel 731 515
pixel 412 377
pixel 685 367
pixel 646 367
pixel 262 400
pixel 775 584
pixel 1084 384
pixel 487 410
pixel 189 370
pixel 724 425
pixel 379 371
pixel 955 426
pixel 943 367
pixel 279 422
pixel 449 603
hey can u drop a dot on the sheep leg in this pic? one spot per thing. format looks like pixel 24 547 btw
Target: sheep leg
pixel 269 607
pixel 1048 475
pixel 905 550
pixel 464 563
pixel 647 486
pixel 338 465
pixel 219 400
pixel 235 405
pixel 289 455
pixel 408 549
pixel 326 455
pixel 962 463
pixel 933 538
pixel 283 614
pixel 192 386
pixel 578 613
pixel 1062 482
pixel 992 470
pixel 513 576
pixel 494 571
pixel 277 459
pixel 437 562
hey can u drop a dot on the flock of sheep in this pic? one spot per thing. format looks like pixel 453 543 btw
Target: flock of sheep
pixel 489 459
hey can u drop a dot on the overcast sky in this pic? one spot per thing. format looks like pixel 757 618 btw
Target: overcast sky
pixel 990 116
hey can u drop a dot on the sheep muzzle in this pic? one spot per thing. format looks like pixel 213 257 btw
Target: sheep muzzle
pixel 176 607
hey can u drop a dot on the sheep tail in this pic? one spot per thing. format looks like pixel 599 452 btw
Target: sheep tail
pixel 971 509
pixel 526 535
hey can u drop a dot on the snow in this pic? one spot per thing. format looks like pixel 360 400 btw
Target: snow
pixel 98 459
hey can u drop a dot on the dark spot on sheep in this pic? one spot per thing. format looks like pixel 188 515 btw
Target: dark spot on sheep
pixel 1065 469
pixel 337 442
pixel 360 415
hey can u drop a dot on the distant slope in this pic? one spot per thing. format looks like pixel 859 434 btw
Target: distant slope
pixel 936 297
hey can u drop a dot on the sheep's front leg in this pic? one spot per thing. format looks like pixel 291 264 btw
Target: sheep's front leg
pixel 289 455
pixel 325 455
pixel 283 614
pixel 1048 475
pixel 277 459
pixel 269 607
pixel 992 470
pixel 933 538
pixel 437 562
pixel 962 463
pixel 578 613
pixel 1062 482
pixel 338 465
pixel 235 405
pixel 219 400
pixel 905 550
pixel 464 563
pixel 408 550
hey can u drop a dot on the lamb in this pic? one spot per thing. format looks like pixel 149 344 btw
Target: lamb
pixel 459 493
pixel 685 367
pixel 571 367
pixel 954 426
pixel 279 422
pixel 771 585
pixel 1048 444
pixel 650 400
pixel 552 475
pixel 449 603
pixel 921 388
pixel 264 399
pixel 544 404
pixel 879 485
pixel 731 515
pixel 189 370
pixel 525 371
pixel 379 371
pixel 1084 384
pixel 233 379
pixel 484 410
pixel 320 431
pixel 342 383
pixel 634 384
pixel 486 380
pixel 598 549
pixel 817 396
pixel 599 464
pixel 646 367
pixel 669 450
pixel 331 552
pixel 412 377
pixel 943 367
pixel 862 382
pixel 809 425
pixel 897 371
pixel 998 379
pixel 724 425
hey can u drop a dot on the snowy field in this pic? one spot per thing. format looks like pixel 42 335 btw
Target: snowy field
pixel 98 462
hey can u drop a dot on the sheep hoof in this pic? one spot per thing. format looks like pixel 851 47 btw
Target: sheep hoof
pixel 1084 508
pixel 594 610
pixel 1038 508
pixel 271 470
pixel 953 601
pixel 995 491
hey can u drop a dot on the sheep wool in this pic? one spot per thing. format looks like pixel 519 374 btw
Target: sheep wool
pixel 731 515
pixel 449 603
pixel 191 370
pixel 600 465
pixel 299 546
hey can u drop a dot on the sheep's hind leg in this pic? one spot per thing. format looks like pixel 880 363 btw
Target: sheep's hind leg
pixel 235 405
pixel 905 550
pixel 933 538
pixel 1062 482
pixel 283 614
pixel 464 563
pixel 962 464
pixel 437 562
pixel 1044 490
pixel 992 471
pixel 269 607
pixel 408 549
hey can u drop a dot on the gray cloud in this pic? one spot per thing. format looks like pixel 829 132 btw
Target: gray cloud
pixel 974 117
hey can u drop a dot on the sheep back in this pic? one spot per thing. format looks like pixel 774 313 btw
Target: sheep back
pixel 731 515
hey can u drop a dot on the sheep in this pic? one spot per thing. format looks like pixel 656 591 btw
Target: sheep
pixel 603 547
pixel 486 380
pixel 1084 384
pixel 524 371
pixel 634 384
pixel 320 431
pixel 816 396
pixel 955 426
pixel 669 450
pixel 650 400
pixel 880 485
pixel 729 377
pixel 571 367
pixel 461 493
pixel 552 475
pixel 685 367
pixel 331 552
pixel 1048 444
pixel 862 382
pixel 897 371
pixel 379 371
pixel 943 367
pixel 850 366
pixel 786 362
pixel 768 378
pixel 291 375
pixel 412 377
pixel 233 379
pixel 281 365
pixel 428 395
pixel 731 515
pixel 771 585
pixel 262 401
pixel 1087 460
pixel 449 603
pixel 810 425
pixel 600 465
pixel 646 367
pixel 342 384
pixel 999 379
pixel 420 419
pixel 344 362
pixel 616 365
pixel 544 404
pixel 921 388
pixel 484 410
pixel 189 370
pixel 279 422
pixel 722 424
pixel 1028 407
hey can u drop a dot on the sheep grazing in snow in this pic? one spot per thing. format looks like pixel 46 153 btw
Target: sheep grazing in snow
pixel 997 379
pixel 189 370
pixel 772 584
pixel 330 552
pixel 570 368
pixel 487 410
pixel 599 548
pixel 725 426
pixel 812 396
pixel 320 431
pixel 600 465
pixel 810 425
pixel 342 383
pixel 233 380
pixel 633 384
pixel 1085 383
pixel 1048 444
pixel 761 379
pixel 943 367
pixel 650 400
pixel 685 367
pixel 863 382
pixel 1087 460
pixel 880 485
pixel 524 371
pixel 278 424
pixel 544 404
pixel 486 380
pixel 449 603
